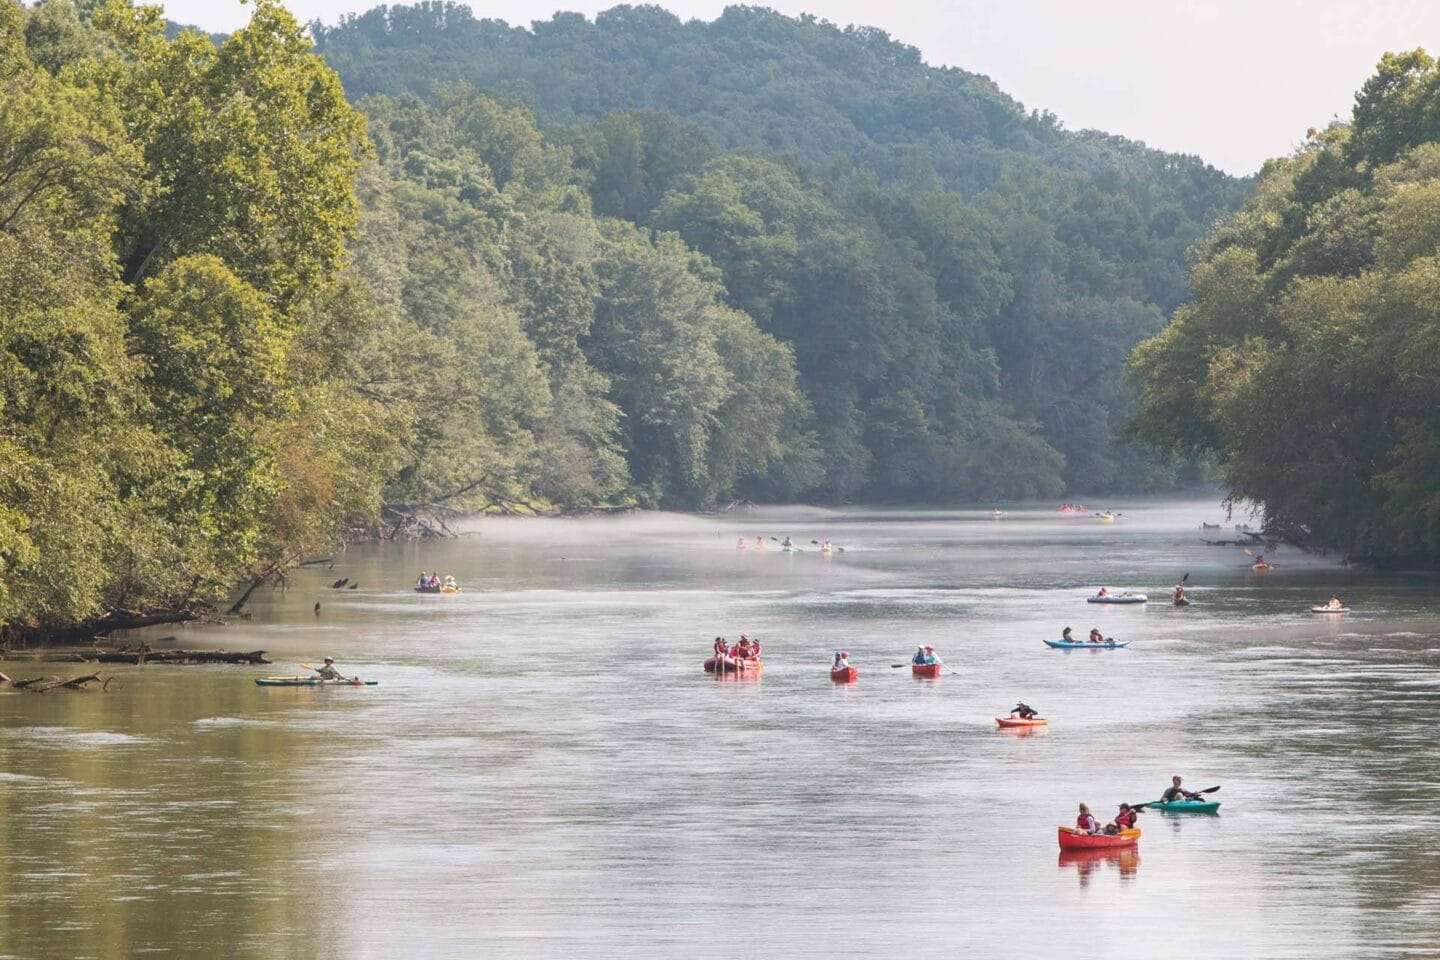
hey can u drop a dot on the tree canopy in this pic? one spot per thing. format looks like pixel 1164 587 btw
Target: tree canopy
pixel 1303 360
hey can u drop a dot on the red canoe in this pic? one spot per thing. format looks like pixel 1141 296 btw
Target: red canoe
pixel 929 670
pixel 726 665
pixel 846 675
pixel 1072 839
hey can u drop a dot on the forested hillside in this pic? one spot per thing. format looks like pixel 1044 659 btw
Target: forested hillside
pixel 960 280
pixel 1307 361
pixel 230 320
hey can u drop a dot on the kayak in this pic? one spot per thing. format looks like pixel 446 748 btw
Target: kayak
pixel 449 589
pixel 1184 806
pixel 427 589
pixel 1329 609
pixel 1072 839
pixel 1081 645
pixel 311 682
pixel 827 549
pixel 927 670
pixel 1182 602
pixel 1261 567
pixel 845 675
pixel 1019 722
pixel 1120 598
pixel 727 665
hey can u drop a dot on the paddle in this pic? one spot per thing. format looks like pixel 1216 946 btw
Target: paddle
pixel 832 546
pixel 901 666
pixel 1142 806
pixel 354 680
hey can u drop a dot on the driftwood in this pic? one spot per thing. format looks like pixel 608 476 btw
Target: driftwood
pixel 46 684
pixel 178 656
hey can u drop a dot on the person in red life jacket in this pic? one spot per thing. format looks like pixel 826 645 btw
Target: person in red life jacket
pixel 1124 820
pixel 743 651
pixel 754 647
pixel 1103 592
pixel 721 649
pixel 1086 822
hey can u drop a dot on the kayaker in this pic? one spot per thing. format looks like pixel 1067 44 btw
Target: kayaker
pixel 1103 592
pixel 759 543
pixel 1065 635
pixel 1024 711
pixel 1096 636
pixel 787 542
pixel 1177 792
pixel 328 672
pixel 741 544
pixel 842 661
pixel 1334 603
pixel 1179 593
pixel 1086 822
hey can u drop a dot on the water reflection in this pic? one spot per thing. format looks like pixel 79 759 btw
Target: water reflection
pixel 1088 863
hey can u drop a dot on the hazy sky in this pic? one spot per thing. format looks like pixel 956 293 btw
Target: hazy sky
pixel 1235 81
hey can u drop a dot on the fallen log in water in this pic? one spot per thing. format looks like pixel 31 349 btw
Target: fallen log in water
pixel 177 656
pixel 46 684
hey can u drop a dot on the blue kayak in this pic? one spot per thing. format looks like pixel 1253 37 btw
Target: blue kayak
pixel 1185 806
pixel 1080 645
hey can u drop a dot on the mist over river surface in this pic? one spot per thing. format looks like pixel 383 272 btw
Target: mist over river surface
pixel 545 772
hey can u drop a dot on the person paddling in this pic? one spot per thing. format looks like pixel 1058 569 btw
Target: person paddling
pixel 1065 636
pixel 754 648
pixel 1179 595
pixel 1124 820
pixel 1096 636
pixel 842 661
pixel 1024 711
pixel 1177 792
pixel 328 671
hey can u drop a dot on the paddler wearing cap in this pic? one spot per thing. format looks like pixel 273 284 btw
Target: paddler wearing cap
pixel 1124 820
pixel 924 655
pixel 328 672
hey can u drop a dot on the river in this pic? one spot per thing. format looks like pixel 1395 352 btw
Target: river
pixel 544 771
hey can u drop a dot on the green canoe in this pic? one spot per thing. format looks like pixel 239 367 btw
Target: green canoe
pixel 1185 806
pixel 311 682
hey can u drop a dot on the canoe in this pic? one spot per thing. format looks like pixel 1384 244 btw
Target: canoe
pixel 1329 609
pixel 928 670
pixel 1120 598
pixel 727 665
pixel 846 675
pixel 1018 722
pixel 311 682
pixel 1185 806
pixel 1080 645
pixel 1072 839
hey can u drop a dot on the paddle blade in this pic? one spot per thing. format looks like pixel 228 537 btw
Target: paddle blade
pixel 1185 578
pixel 305 665
pixel 1210 790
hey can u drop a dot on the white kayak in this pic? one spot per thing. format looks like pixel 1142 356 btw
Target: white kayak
pixel 1329 609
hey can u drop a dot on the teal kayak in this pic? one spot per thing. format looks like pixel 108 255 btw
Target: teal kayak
pixel 1185 806
pixel 1081 645
pixel 311 682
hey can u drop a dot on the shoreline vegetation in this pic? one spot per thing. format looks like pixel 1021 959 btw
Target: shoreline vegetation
pixel 249 311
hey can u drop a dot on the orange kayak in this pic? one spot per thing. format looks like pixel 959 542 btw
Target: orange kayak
pixel 1018 722
pixel 928 670
pixel 1072 839
pixel 847 675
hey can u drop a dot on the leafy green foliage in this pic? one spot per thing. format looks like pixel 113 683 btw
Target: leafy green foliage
pixel 1306 360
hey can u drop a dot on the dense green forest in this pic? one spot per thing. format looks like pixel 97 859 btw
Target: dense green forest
pixel 1304 361
pixel 960 280
pixel 244 306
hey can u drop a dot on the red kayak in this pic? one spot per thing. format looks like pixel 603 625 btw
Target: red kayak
pixel 845 675
pixel 723 665
pixel 1072 839
pixel 927 670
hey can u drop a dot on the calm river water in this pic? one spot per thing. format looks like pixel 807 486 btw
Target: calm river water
pixel 544 771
